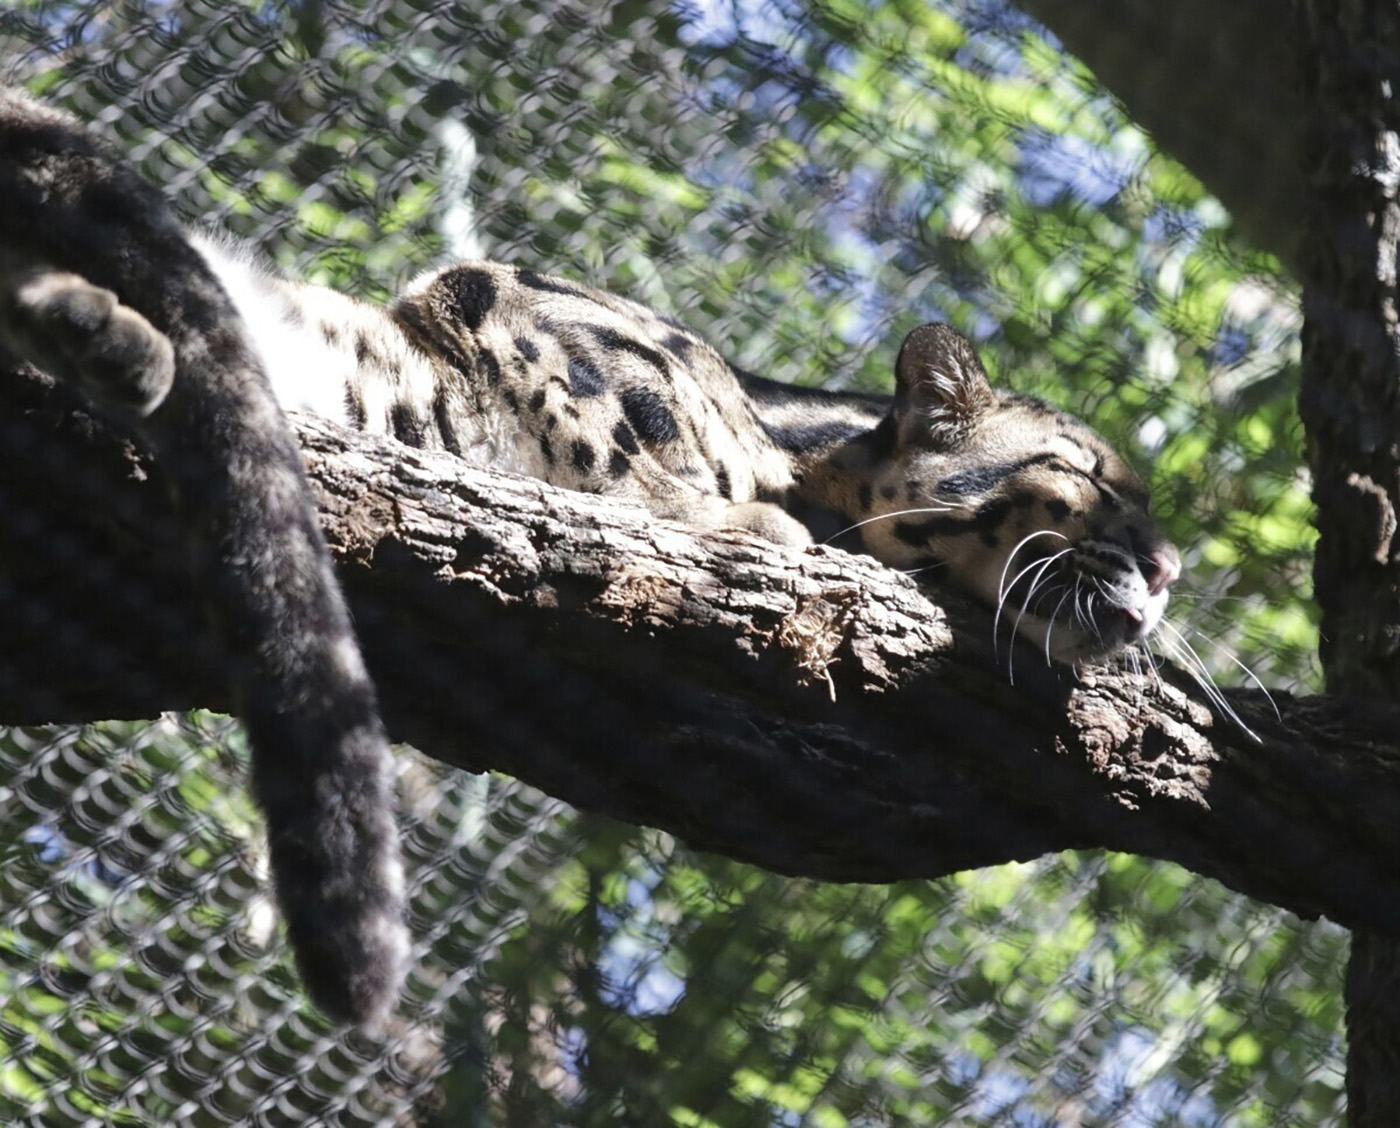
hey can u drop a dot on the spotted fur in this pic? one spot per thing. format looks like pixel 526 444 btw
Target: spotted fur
pixel 99 286
pixel 1001 494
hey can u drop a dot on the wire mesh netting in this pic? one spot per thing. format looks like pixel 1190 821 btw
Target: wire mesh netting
pixel 801 183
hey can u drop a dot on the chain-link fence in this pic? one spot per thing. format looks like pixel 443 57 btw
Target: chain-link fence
pixel 799 182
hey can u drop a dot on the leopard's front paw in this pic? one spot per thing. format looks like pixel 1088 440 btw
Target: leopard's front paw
pixel 769 521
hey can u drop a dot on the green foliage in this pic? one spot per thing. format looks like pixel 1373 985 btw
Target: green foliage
pixel 803 183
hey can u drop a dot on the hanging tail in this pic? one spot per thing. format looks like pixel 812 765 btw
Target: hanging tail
pixel 99 285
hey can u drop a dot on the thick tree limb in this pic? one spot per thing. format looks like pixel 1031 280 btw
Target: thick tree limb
pixel 685 681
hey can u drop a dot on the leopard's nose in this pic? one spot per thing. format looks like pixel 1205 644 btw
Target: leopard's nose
pixel 1161 569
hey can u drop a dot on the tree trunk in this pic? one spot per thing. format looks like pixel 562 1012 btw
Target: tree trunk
pixel 1350 403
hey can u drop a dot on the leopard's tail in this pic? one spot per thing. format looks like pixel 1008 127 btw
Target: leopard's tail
pixel 322 769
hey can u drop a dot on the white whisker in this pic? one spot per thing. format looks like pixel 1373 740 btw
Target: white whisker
pixel 1269 697
pixel 1212 597
pixel 1199 672
pixel 1050 627
pixel 925 568
pixel 1078 612
pixel 1001 584
pixel 1089 615
pixel 1035 585
pixel 896 513
pixel 1152 664
pixel 1003 590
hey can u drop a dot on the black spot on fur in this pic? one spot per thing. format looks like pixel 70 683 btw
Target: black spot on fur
pixel 583 456
pixel 473 293
pixel 649 417
pixel 624 438
pixel 980 479
pixel 585 378
pixel 363 352
pixel 537 281
pixel 537 400
pixel 527 349
pixel 912 532
pixel 883 440
pixel 722 483
pixel 489 365
pixel 571 411
pixel 330 332
pixel 512 400
pixel 812 436
pixel 442 416
pixel 678 346
pixel 985 521
pixel 1032 405
pixel 1108 497
pixel 990 515
pixel 354 409
pixel 1057 509
pixel 867 496
pixel 620 342
pixel 406 426
pixel 1137 541
pixel 618 464
pixel 888 490
pixel 547 449
pixel 551 421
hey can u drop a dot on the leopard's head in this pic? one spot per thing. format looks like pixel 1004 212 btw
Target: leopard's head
pixel 1017 502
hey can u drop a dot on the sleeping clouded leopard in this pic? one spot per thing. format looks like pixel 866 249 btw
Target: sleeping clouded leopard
pixel 534 374
pixel 192 347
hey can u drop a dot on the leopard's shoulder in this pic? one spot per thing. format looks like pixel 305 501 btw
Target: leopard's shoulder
pixel 608 395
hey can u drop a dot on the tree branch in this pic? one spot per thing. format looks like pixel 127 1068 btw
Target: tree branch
pixel 1217 85
pixel 686 681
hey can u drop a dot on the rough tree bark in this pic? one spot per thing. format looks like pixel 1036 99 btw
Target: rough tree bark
pixel 1350 402
pixel 686 681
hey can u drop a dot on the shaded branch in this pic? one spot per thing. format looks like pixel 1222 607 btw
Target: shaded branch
pixel 1218 87
pixel 686 681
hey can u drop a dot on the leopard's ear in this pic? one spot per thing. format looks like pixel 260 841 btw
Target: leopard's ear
pixel 941 388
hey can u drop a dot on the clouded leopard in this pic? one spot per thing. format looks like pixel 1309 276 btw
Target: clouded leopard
pixel 521 371
pixel 518 370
